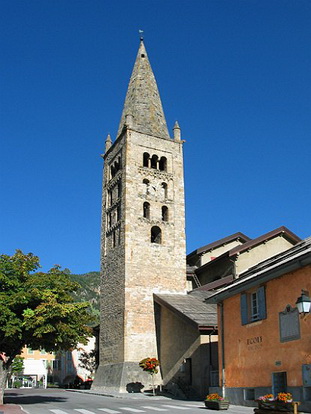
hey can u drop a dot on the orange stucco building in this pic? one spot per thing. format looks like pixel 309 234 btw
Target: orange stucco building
pixel 264 344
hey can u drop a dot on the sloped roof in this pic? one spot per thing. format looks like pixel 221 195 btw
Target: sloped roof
pixel 191 308
pixel 280 231
pixel 284 231
pixel 217 243
pixel 288 261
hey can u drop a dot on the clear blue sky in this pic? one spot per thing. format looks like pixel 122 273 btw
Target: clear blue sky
pixel 236 74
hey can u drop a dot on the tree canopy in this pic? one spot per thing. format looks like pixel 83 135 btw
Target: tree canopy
pixel 37 309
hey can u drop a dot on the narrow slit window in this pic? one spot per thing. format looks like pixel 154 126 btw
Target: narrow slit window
pixel 164 190
pixel 118 213
pixel 110 198
pixel 146 186
pixel 112 171
pixel 164 213
pixel 119 189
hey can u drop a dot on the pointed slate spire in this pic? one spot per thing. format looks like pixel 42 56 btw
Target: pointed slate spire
pixel 143 101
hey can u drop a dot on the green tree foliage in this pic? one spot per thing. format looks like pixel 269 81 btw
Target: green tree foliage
pixel 17 366
pixel 37 309
pixel 87 361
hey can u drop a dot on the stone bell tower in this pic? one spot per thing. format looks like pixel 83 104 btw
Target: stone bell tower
pixel 143 230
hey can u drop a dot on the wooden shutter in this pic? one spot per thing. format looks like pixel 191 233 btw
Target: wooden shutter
pixel 262 302
pixel 244 309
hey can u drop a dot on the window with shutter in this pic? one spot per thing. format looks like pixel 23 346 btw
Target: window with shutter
pixel 253 306
pixel 261 303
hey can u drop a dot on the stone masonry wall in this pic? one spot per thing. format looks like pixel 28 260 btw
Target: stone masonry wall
pixel 151 267
pixel 133 268
pixel 112 260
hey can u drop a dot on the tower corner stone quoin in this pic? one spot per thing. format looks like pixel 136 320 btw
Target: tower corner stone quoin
pixel 142 232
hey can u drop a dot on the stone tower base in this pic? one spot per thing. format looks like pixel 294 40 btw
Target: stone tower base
pixel 122 377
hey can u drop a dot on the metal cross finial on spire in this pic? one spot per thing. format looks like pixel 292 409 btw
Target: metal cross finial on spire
pixel 141 33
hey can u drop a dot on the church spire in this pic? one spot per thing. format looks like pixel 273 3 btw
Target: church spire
pixel 143 101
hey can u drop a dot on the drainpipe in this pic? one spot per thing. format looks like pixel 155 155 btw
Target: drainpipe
pixel 210 350
pixel 210 347
pixel 223 376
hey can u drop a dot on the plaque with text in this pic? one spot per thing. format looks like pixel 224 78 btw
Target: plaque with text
pixel 289 324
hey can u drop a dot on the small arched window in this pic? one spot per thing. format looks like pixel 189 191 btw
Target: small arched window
pixel 164 190
pixel 146 157
pixel 146 210
pixel 156 235
pixel 115 167
pixel 162 164
pixel 146 186
pixel 164 213
pixel 154 161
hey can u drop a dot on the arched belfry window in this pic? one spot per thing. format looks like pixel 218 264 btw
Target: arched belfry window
pixel 146 157
pixel 146 210
pixel 115 167
pixel 156 235
pixel 164 213
pixel 162 164
pixel 154 161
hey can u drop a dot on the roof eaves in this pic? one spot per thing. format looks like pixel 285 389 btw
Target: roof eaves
pixel 280 264
pixel 219 242
pixel 211 262
pixel 290 236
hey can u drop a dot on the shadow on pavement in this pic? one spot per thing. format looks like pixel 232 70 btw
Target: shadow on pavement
pixel 31 399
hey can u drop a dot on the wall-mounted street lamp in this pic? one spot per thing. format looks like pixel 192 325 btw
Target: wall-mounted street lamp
pixel 303 303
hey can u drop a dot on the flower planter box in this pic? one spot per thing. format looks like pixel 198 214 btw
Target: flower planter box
pixel 276 406
pixel 217 405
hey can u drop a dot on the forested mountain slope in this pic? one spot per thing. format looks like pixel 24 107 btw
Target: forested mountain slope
pixel 89 291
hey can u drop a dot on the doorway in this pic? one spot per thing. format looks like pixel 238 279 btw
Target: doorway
pixel 279 382
pixel 188 371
